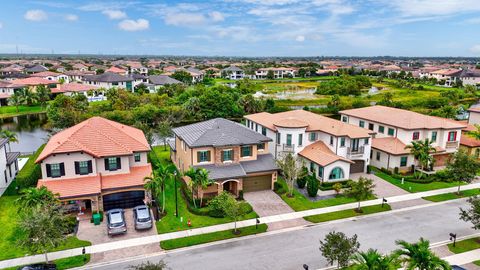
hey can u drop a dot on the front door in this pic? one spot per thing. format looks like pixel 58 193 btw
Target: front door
pixel 354 145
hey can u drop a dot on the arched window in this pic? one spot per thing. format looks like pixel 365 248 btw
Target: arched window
pixel 336 173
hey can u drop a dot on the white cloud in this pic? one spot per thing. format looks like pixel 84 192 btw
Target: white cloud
pixel 134 25
pixel 36 15
pixel 184 19
pixel 216 16
pixel 475 49
pixel 114 14
pixel 434 7
pixel 1 25
pixel 300 38
pixel 237 33
pixel 71 17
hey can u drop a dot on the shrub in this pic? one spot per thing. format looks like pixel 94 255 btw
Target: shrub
pixel 216 205
pixel 395 170
pixel 329 185
pixel 443 176
pixel 278 188
pixel 246 208
pixel 30 173
pixel 70 223
pixel 312 186
pixel 337 187
pixel 240 195
pixel 302 181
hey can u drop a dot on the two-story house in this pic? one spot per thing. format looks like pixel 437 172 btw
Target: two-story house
pixel 233 73
pixel 108 80
pixel 330 148
pixel 8 164
pixel 97 164
pixel 397 128
pixel 236 157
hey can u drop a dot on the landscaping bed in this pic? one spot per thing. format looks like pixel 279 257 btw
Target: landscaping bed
pixel 31 171
pixel 367 210
pixel 453 195
pixel 211 237
pixel 465 245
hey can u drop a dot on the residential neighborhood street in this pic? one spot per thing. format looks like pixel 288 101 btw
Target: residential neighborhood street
pixel 292 249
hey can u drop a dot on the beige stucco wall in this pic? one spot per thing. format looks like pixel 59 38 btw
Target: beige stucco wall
pixel 69 163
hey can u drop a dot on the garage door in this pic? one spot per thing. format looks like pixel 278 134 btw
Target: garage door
pixel 357 167
pixel 256 183
pixel 128 199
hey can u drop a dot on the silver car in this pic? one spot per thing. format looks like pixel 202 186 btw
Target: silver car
pixel 142 217
pixel 116 222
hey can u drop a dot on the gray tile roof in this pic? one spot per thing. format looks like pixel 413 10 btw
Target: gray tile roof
pixel 162 80
pixel 470 73
pixel 36 68
pixel 12 156
pixel 3 141
pixel 171 143
pixel 107 77
pixel 232 68
pixel 218 132
pixel 263 163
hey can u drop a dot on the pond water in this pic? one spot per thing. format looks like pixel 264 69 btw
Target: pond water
pixel 30 131
pixel 289 94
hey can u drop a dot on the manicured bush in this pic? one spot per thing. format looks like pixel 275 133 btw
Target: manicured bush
pixel 443 176
pixel 216 205
pixel 302 181
pixel 329 185
pixel 278 188
pixel 337 187
pixel 395 170
pixel 30 173
pixel 312 186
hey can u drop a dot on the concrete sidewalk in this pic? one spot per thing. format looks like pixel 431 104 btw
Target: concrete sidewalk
pixel 221 227
pixel 463 258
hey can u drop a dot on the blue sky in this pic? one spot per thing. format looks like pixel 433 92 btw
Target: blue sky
pixel 243 27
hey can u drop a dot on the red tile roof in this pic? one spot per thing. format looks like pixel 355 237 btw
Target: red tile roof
pixel 46 74
pixel 390 145
pixel 32 81
pixel 73 87
pixel 132 179
pixel 74 187
pixel 319 153
pixel 98 137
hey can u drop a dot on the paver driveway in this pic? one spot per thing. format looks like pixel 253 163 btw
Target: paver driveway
pixel 268 203
pixel 98 234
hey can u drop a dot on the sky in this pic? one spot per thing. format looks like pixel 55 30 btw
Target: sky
pixel 243 27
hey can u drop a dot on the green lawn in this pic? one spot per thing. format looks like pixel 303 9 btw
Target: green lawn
pixel 67 263
pixel 210 237
pixel 170 223
pixel 414 187
pixel 453 196
pixel 10 233
pixel 348 213
pixel 299 202
pixel 465 245
pixel 477 262
pixel 10 111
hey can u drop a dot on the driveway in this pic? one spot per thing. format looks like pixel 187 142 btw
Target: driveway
pixel 268 203
pixel 98 234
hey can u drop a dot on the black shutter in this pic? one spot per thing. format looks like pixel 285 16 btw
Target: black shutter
pixel 198 156
pixel 89 164
pixel 119 163
pixel 222 156
pixel 49 171
pixel 77 167
pixel 107 168
pixel 208 156
pixel 62 169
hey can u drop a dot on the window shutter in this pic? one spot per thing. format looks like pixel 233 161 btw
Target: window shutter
pixel 222 156
pixel 198 156
pixel 107 168
pixel 119 163
pixel 62 169
pixel 208 156
pixel 49 171
pixel 77 167
pixel 89 164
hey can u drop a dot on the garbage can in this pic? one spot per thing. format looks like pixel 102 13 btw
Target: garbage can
pixel 96 218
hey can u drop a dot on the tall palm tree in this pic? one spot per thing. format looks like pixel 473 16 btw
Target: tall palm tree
pixel 192 173
pixel 422 150
pixel 27 96
pixel 373 260
pixel 15 100
pixel 10 135
pixel 152 184
pixel 165 173
pixel 203 181
pixel 418 256
pixel 33 197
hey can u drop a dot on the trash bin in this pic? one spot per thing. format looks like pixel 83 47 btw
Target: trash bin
pixel 96 218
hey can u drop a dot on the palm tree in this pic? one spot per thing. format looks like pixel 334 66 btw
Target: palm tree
pixel 27 96
pixel 15 100
pixel 475 133
pixel 419 256
pixel 203 181
pixel 10 135
pixel 373 260
pixel 152 184
pixel 33 197
pixel 43 95
pixel 421 150
pixel 192 173
pixel 164 174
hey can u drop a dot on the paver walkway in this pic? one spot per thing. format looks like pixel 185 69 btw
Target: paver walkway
pixel 268 203
pixel 229 226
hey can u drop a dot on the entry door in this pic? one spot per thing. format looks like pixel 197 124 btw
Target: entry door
pixel 354 145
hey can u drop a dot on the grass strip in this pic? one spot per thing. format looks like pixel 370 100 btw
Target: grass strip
pixel 465 245
pixel 367 210
pixel 452 196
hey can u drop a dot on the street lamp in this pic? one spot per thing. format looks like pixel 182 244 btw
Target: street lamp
pixel 176 200
pixel 305 267
pixel 453 237
pixel 384 201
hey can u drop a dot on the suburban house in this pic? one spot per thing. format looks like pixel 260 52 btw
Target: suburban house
pixel 51 76
pixel 35 69
pixel 278 73
pixel 470 77
pixel 397 128
pixel 447 77
pixel 92 92
pixel 233 73
pixel 155 82
pixel 474 115
pixel 97 164
pixel 108 80
pixel 117 70
pixel 8 164
pixel 237 158
pixel 6 90
pixel 330 148
pixel 77 75
pixel 32 83
pixel 468 143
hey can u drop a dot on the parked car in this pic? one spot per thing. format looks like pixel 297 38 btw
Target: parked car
pixel 116 222
pixel 142 217
pixel 39 266
pixel 456 267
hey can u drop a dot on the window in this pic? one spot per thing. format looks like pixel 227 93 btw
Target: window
pixel 289 139
pixel 256 127
pixel 391 132
pixel 320 172
pixel 137 157
pixel 477 152
pixel 55 170
pixel 203 156
pixel 264 131
pixel 361 123
pixel 260 146
pixel 403 161
pixel 371 126
pixel 246 151
pixel 434 136
pixel 381 129
pixel 342 142
pixel 300 139
pixel 331 140
pixel 378 155
pixel 227 155
pixel 313 136
pixel 113 164
pixel 83 167
pixel 452 136
pixel 416 135
pixel 365 141
pixel 336 173
pixel 344 119
pixel 247 123
pixel 279 136
pixel 312 167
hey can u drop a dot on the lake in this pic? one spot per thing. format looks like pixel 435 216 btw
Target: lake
pixel 30 131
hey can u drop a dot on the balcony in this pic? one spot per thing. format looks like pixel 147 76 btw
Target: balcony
pixel 358 152
pixel 450 145
pixel 286 148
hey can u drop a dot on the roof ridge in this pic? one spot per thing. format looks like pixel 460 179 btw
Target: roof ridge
pixel 111 123
pixel 108 137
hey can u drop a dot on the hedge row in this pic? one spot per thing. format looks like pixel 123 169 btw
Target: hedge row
pixel 30 173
